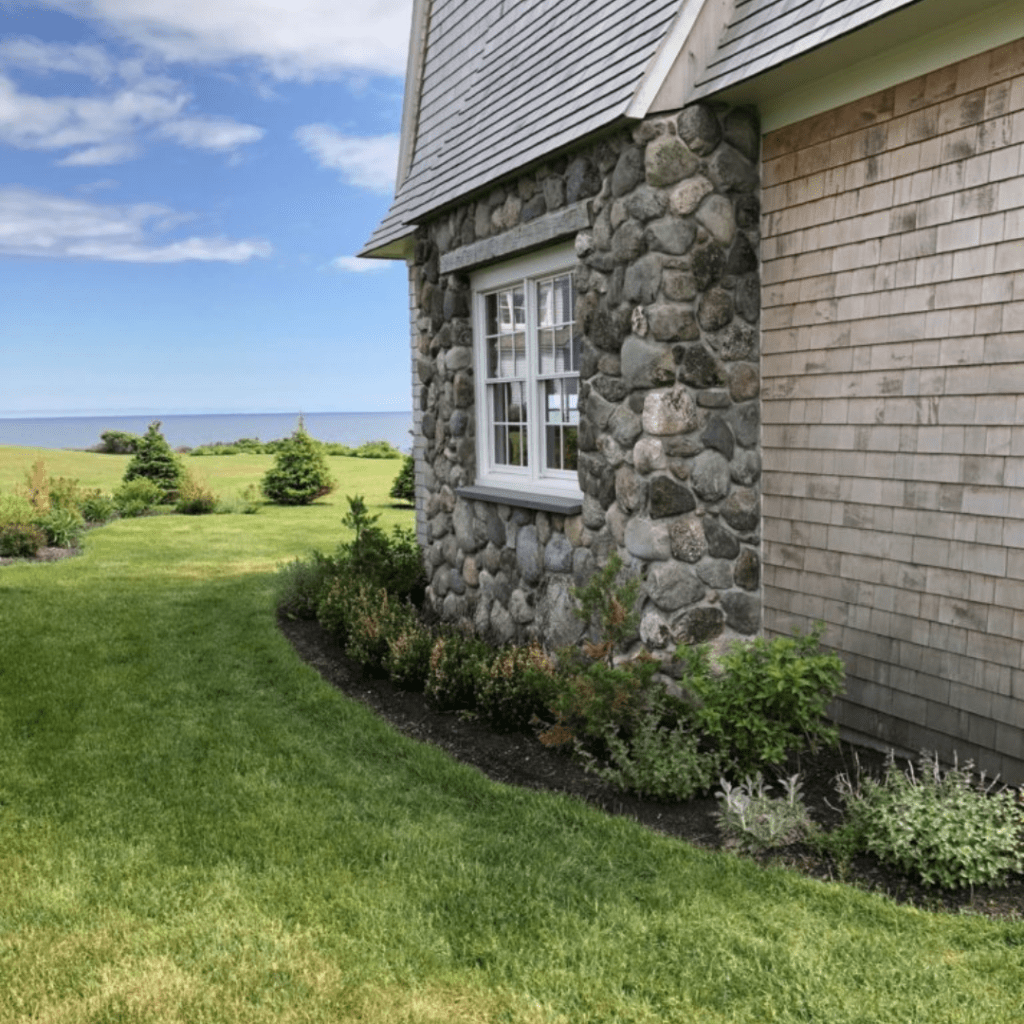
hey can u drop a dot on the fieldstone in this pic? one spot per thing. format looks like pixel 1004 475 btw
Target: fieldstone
pixel 598 409
pixel 610 449
pixel 614 389
pixel 743 131
pixel 503 627
pixel 718 436
pixel 744 382
pixel 672 322
pixel 746 423
pixel 738 343
pixel 697 625
pixel 439 584
pixel 742 258
pixel 615 521
pixel 602 330
pixel 490 558
pixel 731 171
pixel 716 573
pixel 654 630
pixel 742 611
pixel 462 521
pixel 456 302
pixel 495 528
pixel 582 180
pixel 439 526
pixel 715 215
pixel 455 607
pixel 542 520
pixel 573 528
pixel 668 160
pixel 671 585
pixel 597 478
pixel 742 510
pixel 562 626
pixel 707 262
pixel 697 366
pixel 748 298
pixel 699 129
pixel 593 513
pixel 629 171
pixel 669 412
pixel 519 608
pixel 672 235
pixel 646 203
pixel 645 364
pixel 721 543
pixel 554 192
pixel 458 423
pixel 748 212
pixel 710 475
pixel 638 322
pixel 456 584
pixel 648 455
pixel 628 241
pixel 686 536
pixel 715 310
pixel 534 208
pixel 625 427
pixel 470 572
pixel 746 468
pixel 582 566
pixel 529 558
pixel 642 279
pixel 584 244
pixel 647 540
pixel 670 498
pixel 687 195
pixel 748 570
pixel 558 554
pixel 609 363
pixel 678 285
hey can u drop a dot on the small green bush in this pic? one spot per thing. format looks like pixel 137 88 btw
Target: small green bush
pixel 194 497
pixel 404 486
pixel 20 540
pixel 768 700
pixel 97 507
pixel 16 510
pixel 459 665
pixel 246 502
pixel 393 562
pixel 947 827
pixel 407 659
pixel 117 442
pixel 372 616
pixel 62 527
pixel 154 461
pixel 302 583
pixel 138 496
pixel 66 493
pixel 299 475
pixel 333 609
pixel 517 689
pixel 752 822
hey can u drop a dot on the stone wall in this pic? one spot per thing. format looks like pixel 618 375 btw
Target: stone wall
pixel 668 300
pixel 893 430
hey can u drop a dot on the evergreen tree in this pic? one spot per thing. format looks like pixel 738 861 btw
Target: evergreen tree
pixel 155 461
pixel 299 474
pixel 404 486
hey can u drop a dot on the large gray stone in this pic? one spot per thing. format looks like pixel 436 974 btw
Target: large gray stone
pixel 716 573
pixel 721 543
pixel 628 242
pixel 746 423
pixel 717 435
pixel 562 626
pixel 670 411
pixel 558 554
pixel 707 262
pixel 642 279
pixel 646 363
pixel 715 215
pixel 495 528
pixel 688 195
pixel 614 389
pixel 742 258
pixel 598 409
pixel 503 626
pixel 748 570
pixel 742 611
pixel 697 366
pixel 647 540
pixel 629 171
pixel 529 558
pixel 697 625
pixel 743 131
pixel 654 629
pixel 678 285
pixel 748 298
pixel 738 343
pixel 686 535
pixel 582 180
pixel 593 513
pixel 462 521
pixel 670 498
pixel 520 608
pixel 746 467
pixel 731 171
pixel 646 203
pixel 625 426
pixel 715 309
pixel 672 235
pixel 669 321
pixel 744 382
pixel 742 510
pixel 668 160
pixel 582 566
pixel 615 520
pixel 710 475
pixel 649 455
pixel 672 585
pixel 699 129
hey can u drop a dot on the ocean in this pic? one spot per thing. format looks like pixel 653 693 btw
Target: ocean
pixel 81 432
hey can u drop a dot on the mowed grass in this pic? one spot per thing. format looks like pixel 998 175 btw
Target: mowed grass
pixel 195 828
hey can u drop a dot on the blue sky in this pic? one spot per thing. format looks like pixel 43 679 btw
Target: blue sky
pixel 182 188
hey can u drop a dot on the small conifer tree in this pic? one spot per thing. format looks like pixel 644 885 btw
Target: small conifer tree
pixel 404 486
pixel 155 461
pixel 299 474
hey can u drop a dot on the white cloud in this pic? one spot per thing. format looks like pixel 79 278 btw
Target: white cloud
pixel 220 134
pixel 97 156
pixel 292 39
pixel 368 163
pixel 38 224
pixel 358 265
pixel 42 58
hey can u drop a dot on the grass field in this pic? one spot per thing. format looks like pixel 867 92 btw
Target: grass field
pixel 194 828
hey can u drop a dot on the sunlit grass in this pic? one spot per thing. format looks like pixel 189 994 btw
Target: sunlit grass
pixel 195 828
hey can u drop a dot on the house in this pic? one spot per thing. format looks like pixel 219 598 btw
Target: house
pixel 734 288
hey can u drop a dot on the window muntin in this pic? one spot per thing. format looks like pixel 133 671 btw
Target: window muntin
pixel 529 347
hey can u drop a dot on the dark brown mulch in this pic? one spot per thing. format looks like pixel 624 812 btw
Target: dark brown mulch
pixel 521 760
pixel 45 555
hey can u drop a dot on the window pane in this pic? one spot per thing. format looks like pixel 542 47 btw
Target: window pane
pixel 561 418
pixel 510 433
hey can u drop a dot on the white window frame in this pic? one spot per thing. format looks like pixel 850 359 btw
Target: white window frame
pixel 535 477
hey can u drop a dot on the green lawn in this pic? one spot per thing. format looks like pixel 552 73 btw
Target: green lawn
pixel 195 828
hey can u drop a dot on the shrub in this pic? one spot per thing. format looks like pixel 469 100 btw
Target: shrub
pixel 36 489
pixel 372 615
pixel 20 540
pixel 246 502
pixel 16 510
pixel 117 442
pixel 407 659
pixel 459 664
pixel 66 493
pixel 154 461
pixel 332 609
pixel 751 821
pixel 137 496
pixel 768 700
pixel 299 474
pixel 518 688
pixel 62 527
pixel 194 497
pixel 393 562
pixel 945 827
pixel 301 585
pixel 404 486
pixel 97 507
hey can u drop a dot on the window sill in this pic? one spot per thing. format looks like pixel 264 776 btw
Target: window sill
pixel 561 505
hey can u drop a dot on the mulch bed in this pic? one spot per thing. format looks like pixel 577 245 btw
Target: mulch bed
pixel 521 760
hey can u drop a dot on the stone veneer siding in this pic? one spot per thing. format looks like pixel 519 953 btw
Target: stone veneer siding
pixel 668 305
pixel 893 403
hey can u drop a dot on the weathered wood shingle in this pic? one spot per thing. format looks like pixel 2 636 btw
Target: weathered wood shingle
pixel 505 84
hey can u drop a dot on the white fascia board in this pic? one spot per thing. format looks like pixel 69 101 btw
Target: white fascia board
pixel 413 86
pixel 684 52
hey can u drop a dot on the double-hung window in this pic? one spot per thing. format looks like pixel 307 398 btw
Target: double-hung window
pixel 527 373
